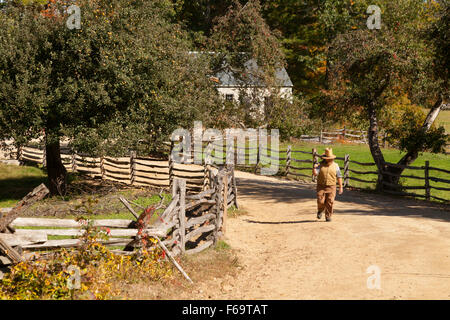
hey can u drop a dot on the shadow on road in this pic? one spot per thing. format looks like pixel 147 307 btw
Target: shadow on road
pixel 365 203
pixel 281 222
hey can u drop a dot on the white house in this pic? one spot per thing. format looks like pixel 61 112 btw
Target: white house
pixel 229 87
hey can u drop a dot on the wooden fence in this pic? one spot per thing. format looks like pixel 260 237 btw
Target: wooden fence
pixel 189 224
pixel 299 164
pixel 344 134
pixel 132 170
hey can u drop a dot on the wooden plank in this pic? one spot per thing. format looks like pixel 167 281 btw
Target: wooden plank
pixel 24 238
pixel 69 243
pixel 200 195
pixel 439 169
pixel 128 206
pixel 367 164
pixel 168 212
pixel 200 248
pixel 199 231
pixel 361 180
pixel 80 232
pixel 173 260
pixel 199 202
pixel 199 220
pixel 37 194
pixel 11 253
pixel 182 214
pixel 69 223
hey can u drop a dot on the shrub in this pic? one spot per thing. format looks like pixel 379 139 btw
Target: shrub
pixel 101 271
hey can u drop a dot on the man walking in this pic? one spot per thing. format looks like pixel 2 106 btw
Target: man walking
pixel 328 172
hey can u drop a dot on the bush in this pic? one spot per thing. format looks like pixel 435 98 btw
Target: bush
pixel 101 271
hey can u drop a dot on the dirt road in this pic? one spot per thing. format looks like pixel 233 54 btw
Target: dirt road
pixel 287 253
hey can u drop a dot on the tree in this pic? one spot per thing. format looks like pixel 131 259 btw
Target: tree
pixel 369 67
pixel 122 82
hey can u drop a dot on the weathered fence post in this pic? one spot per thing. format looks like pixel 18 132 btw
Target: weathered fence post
pixel 171 182
pixel 44 157
pixel 219 200
pixel 19 154
pixel 74 162
pixel 233 181
pixel 182 214
pixel 132 167
pixel 344 132
pixel 288 159
pixel 427 180
pixel 346 170
pixel 314 154
pixel 257 156
pixel 225 202
pixel 102 167
pixel 380 181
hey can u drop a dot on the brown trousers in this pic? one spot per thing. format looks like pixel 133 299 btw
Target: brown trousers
pixel 325 199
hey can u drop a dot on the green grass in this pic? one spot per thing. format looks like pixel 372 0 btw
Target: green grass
pixel 17 181
pixel 444 120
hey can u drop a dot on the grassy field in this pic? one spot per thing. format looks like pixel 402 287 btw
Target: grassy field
pixel 444 120
pixel 16 182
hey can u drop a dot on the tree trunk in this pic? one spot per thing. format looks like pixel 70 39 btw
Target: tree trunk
pixel 413 154
pixel 57 173
pixel 374 146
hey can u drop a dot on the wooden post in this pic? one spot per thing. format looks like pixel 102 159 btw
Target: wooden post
pixel 346 170
pixel 344 132
pixel 171 182
pixel 218 206
pixel 258 150
pixel 314 153
pixel 102 167
pixel 19 154
pixel 225 202
pixel 427 180
pixel 182 214
pixel 233 181
pixel 288 159
pixel 132 167
pixel 74 162
pixel 380 181
pixel 44 157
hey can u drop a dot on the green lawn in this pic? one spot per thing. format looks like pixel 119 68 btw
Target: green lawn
pixel 17 181
pixel 444 120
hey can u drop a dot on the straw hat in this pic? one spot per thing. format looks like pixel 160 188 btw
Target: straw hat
pixel 328 154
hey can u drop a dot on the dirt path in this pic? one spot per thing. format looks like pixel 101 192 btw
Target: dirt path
pixel 287 254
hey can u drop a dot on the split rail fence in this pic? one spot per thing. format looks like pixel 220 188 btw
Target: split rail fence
pixel 190 223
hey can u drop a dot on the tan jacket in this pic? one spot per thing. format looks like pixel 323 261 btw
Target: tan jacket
pixel 328 174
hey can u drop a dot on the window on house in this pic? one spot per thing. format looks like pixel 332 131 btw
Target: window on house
pixel 229 97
